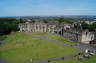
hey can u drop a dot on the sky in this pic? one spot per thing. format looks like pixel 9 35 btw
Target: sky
pixel 47 7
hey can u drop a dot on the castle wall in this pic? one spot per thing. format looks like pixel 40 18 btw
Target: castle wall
pixel 72 35
pixel 37 27
pixel 23 27
pixel 95 35
pixel 87 37
pixel 65 30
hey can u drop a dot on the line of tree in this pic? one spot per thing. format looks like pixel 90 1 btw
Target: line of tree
pixel 90 27
pixel 8 25
pixel 66 20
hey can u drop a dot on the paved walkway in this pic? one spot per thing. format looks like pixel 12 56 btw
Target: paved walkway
pixel 57 59
pixel 50 40
pixel 3 61
pixel 1 43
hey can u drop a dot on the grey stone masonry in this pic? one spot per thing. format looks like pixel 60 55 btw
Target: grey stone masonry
pixel 64 29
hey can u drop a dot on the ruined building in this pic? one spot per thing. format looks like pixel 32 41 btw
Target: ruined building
pixel 66 30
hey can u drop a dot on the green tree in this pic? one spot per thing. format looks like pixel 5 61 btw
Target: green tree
pixel 67 20
pixel 22 20
pixel 84 25
pixel 8 25
pixel 92 27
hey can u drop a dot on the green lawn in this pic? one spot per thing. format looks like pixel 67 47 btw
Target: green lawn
pixel 55 37
pixel 20 48
pixel 74 60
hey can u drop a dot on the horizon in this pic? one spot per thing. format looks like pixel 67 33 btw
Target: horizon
pixel 46 16
pixel 47 7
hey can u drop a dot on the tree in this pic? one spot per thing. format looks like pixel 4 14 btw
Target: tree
pixel 84 25
pixel 90 27
pixel 8 25
pixel 94 25
pixel 22 20
pixel 67 20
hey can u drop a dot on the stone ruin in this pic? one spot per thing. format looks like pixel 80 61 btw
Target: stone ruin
pixel 68 31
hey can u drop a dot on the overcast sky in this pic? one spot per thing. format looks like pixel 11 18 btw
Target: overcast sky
pixel 47 7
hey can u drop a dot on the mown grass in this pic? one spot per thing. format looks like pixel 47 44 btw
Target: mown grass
pixel 20 48
pixel 55 37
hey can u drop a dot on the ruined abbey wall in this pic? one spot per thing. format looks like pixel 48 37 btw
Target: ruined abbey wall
pixel 66 30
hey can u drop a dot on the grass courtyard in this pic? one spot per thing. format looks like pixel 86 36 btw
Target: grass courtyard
pixel 20 48
pixel 55 37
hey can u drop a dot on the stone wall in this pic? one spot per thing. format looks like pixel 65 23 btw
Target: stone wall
pixel 63 29
pixel 95 34
pixel 87 37
pixel 37 27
